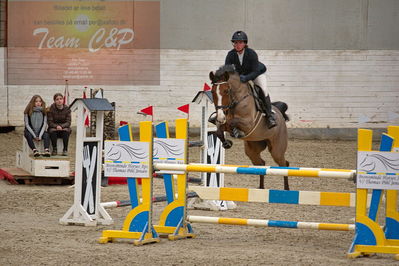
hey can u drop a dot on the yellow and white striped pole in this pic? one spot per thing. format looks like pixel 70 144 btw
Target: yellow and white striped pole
pixel 271 223
pixel 260 170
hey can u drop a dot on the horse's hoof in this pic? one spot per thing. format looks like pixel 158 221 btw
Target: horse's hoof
pixel 227 144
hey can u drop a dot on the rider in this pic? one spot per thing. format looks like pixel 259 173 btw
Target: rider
pixel 247 65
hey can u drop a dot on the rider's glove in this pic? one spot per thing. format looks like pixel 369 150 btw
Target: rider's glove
pixel 243 78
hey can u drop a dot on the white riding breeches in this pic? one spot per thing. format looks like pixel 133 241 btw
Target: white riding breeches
pixel 262 82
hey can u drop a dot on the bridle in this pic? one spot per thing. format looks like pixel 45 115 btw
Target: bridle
pixel 228 92
pixel 232 101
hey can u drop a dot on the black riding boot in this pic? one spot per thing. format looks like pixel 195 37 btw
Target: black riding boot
pixel 236 133
pixel 267 109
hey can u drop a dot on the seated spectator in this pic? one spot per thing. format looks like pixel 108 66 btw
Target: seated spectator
pixel 36 124
pixel 59 122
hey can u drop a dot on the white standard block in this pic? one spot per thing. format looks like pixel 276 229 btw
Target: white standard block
pixel 42 166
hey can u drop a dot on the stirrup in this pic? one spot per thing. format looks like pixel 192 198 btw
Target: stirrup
pixel 212 118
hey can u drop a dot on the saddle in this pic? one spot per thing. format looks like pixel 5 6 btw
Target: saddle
pixel 259 97
pixel 258 94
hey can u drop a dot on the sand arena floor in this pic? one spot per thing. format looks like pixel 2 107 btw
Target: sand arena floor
pixel 31 234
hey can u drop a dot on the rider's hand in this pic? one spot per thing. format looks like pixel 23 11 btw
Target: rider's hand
pixel 243 78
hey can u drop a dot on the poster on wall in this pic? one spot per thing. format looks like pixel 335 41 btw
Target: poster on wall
pixel 84 42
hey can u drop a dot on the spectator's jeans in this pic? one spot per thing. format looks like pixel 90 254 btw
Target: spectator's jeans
pixel 64 135
pixel 30 138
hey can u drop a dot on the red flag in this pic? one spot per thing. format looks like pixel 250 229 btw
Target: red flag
pixel 184 108
pixel 86 113
pixel 147 110
pixel 66 94
pixel 206 87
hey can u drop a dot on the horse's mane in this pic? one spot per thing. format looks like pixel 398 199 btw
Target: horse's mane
pixel 225 69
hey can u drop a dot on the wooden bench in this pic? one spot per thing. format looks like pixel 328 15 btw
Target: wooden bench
pixel 54 166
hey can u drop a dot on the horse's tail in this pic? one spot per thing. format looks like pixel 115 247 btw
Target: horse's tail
pixel 283 107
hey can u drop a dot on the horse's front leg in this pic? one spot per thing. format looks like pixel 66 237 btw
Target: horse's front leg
pixel 226 143
pixel 236 125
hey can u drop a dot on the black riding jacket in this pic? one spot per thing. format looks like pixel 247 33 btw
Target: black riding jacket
pixel 251 68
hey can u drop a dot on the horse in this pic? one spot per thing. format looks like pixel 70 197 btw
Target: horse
pixel 236 110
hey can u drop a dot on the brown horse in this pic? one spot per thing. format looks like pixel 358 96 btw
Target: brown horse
pixel 237 114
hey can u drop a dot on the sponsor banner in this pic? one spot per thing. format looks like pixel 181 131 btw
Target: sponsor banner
pixel 378 170
pixel 169 151
pixel 127 159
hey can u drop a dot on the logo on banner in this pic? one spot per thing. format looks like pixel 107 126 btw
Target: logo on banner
pixel 169 151
pixel 378 170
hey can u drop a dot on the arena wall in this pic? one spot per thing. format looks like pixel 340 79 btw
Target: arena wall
pixel 323 88
pixel 336 63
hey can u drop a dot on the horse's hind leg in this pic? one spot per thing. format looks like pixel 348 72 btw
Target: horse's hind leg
pixel 286 186
pixel 253 150
pixel 277 152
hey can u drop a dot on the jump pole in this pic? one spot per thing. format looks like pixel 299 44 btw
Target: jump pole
pixel 260 170
pixel 271 223
pixel 124 203
pixel 342 199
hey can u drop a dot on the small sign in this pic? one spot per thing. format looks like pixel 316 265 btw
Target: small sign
pixel 127 159
pixel 378 170
pixel 169 151
pixel 213 156
pixel 89 176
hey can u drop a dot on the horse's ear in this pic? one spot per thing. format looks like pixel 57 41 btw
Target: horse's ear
pixel 211 75
pixel 226 76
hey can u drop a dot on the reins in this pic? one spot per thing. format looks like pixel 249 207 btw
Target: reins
pixel 233 102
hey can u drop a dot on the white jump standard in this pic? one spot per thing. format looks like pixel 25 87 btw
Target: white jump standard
pixel 86 209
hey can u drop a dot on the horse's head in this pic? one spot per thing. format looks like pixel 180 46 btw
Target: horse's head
pixel 223 84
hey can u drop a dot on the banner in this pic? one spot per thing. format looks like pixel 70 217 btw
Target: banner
pixel 127 159
pixel 85 42
pixel 378 170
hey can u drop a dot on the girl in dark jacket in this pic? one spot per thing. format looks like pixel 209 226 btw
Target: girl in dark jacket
pixel 59 122
pixel 36 124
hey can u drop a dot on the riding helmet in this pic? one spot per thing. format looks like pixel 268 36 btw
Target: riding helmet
pixel 239 36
